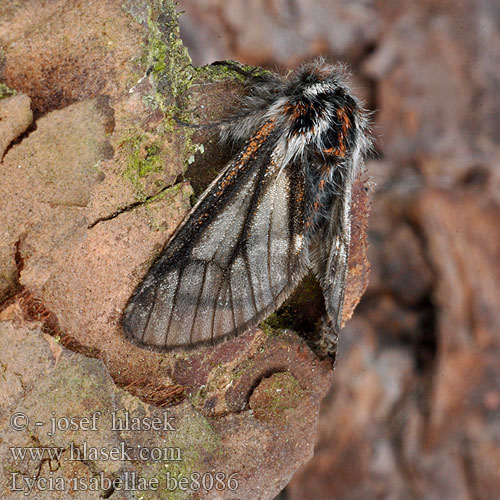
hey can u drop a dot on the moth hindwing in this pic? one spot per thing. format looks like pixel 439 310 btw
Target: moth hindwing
pixel 280 208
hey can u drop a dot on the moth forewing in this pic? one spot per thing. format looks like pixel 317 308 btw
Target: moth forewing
pixel 230 267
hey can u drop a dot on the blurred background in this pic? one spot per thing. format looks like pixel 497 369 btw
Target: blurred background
pixel 414 411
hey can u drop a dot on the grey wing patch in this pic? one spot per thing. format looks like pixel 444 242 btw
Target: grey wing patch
pixel 331 257
pixel 235 272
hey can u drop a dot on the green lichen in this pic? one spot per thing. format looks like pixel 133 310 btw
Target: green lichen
pixel 143 159
pixel 6 91
pixel 171 69
pixel 284 393
pixel 166 64
pixel 225 72
pixel 273 325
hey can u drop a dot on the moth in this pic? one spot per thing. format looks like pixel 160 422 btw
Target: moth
pixel 279 209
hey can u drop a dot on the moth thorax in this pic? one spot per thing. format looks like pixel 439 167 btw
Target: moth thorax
pixel 305 116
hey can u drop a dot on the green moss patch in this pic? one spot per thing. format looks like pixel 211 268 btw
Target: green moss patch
pixel 276 398
pixel 6 91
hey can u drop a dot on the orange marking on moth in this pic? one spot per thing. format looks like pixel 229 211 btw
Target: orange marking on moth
pixel 300 195
pixel 346 125
pixel 254 144
pixel 295 111
pixel 288 108
pixel 341 149
pixel 321 184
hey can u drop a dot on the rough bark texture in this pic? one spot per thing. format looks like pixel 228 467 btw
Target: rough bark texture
pixel 91 186
pixel 415 403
